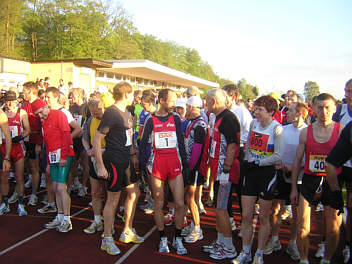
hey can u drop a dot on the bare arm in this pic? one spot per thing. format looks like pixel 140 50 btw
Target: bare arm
pixel 25 123
pixel 6 131
pixel 230 155
pixel 98 137
pixel 77 130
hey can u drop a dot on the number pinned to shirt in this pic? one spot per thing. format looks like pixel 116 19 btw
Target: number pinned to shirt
pixel 164 140
pixel 317 163
pixel 55 156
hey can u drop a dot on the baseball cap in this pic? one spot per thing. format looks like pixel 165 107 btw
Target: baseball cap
pixel 195 101
pixel 181 103
pixel 10 96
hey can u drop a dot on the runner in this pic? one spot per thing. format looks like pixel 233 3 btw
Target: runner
pixel 315 143
pixel 296 116
pixel 264 148
pixel 19 129
pixel 59 149
pixel 167 162
pixel 195 134
pixel 115 166
pixel 224 169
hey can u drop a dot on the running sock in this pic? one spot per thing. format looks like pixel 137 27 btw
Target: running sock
pixel 178 232
pixel 97 219
pixel 228 242
pixel 51 204
pixel 20 199
pixel 246 249
pixel 196 228
pixel 259 252
pixel 220 239
pixel 275 238
pixel 60 217
pixel 5 199
pixel 162 233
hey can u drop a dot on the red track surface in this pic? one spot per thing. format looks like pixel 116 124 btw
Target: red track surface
pixel 24 240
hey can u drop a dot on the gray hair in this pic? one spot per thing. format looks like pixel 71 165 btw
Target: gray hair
pixel 220 95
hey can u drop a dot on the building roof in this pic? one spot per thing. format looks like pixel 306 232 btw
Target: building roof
pixel 150 70
pixel 89 63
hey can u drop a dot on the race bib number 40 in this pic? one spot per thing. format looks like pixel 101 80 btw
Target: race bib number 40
pixel 165 140
pixel 54 156
pixel 317 163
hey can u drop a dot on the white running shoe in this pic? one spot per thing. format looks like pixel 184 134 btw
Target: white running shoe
pixel 163 245
pixel 320 251
pixel 272 246
pixel 130 236
pixel 243 258
pixel 224 253
pixel 292 250
pixel 13 198
pixel 194 236
pixel 178 245
pixel 21 210
pixel 108 245
pixel 346 252
pixel 258 259
pixel 94 227
pixel 4 209
pixel 48 208
pixel 53 224
pixel 186 230
pixel 28 183
pixel 33 200
pixel 66 226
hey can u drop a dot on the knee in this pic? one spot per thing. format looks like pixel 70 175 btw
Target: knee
pixel 303 232
pixel 179 205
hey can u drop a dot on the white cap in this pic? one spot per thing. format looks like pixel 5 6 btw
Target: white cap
pixel 195 101
pixel 181 102
pixel 102 89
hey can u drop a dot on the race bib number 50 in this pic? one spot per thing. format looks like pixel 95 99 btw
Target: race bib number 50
pixel 317 163
pixel 54 156
pixel 164 140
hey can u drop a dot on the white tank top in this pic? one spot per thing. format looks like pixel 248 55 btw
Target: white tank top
pixel 345 117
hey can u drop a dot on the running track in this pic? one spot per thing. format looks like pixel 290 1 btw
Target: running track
pixel 24 240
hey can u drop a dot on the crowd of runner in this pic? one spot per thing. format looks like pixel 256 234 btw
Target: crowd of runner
pixel 276 157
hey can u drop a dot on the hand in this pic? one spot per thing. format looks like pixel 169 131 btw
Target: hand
pixel 63 163
pixel 17 139
pixel 135 162
pixel 278 165
pixel 294 197
pixel 89 152
pixel 6 165
pixel 224 178
pixel 102 173
pixel 336 201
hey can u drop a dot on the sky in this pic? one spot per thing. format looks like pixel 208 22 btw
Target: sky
pixel 274 44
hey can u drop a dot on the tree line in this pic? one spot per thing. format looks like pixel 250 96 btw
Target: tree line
pixel 70 29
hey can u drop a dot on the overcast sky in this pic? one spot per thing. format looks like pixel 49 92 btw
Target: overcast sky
pixel 276 45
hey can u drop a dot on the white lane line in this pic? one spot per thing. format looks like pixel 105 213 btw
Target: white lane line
pixel 34 236
pixel 130 251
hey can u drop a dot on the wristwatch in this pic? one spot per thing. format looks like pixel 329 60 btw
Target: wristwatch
pixel 8 159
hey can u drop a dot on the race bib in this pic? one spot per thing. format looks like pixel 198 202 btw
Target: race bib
pixel 13 131
pixel 54 156
pixel 212 149
pixel 258 142
pixel 165 140
pixel 78 119
pixel 129 134
pixel 317 163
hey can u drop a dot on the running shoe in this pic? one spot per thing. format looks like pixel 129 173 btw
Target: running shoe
pixel 13 198
pixel 211 248
pixel 33 200
pixel 320 251
pixel 53 224
pixel 223 253
pixel 194 236
pixel 48 208
pixel 150 208
pixel 163 245
pixel 346 252
pixel 42 181
pixel 272 246
pixel 168 219
pixel 94 227
pixel 178 245
pixel 292 250
pixel 242 258
pixel 66 226
pixel 128 236
pixel 21 210
pixel 258 259
pixel 108 245
pixel 4 208
pixel 186 230
pixel 201 209
pixel 28 183
pixel 209 201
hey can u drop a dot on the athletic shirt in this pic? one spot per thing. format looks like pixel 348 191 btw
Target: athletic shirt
pixel 34 123
pixel 343 116
pixel 316 152
pixel 291 140
pixel 191 135
pixel 219 144
pixel 164 136
pixel 261 141
pixel 94 124
pixel 142 117
pixel 14 126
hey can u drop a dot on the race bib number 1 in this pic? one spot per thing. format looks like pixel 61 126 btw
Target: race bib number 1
pixel 54 156
pixel 317 163
pixel 164 140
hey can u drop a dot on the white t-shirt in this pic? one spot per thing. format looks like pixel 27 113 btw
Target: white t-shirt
pixel 68 115
pixel 245 118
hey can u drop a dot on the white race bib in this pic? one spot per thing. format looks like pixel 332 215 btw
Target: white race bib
pixel 78 119
pixel 165 140
pixel 13 131
pixel 212 148
pixel 129 134
pixel 54 156
pixel 317 163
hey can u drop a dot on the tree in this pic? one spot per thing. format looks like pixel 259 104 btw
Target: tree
pixel 311 89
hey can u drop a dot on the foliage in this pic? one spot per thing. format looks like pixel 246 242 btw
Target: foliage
pixel 247 90
pixel 311 89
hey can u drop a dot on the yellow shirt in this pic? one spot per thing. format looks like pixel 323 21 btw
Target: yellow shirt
pixel 93 128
